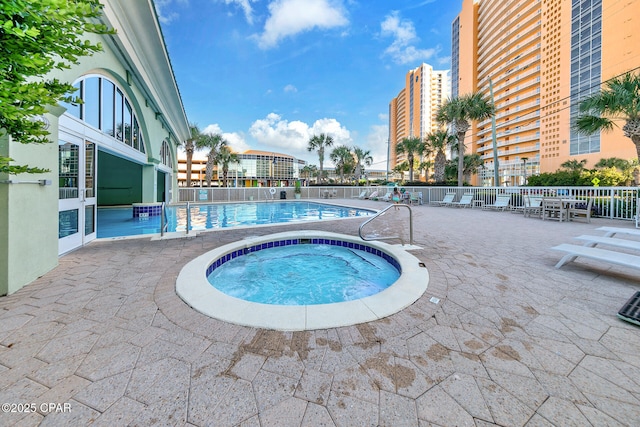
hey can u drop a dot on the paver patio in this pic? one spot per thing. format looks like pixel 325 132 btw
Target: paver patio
pixel 511 342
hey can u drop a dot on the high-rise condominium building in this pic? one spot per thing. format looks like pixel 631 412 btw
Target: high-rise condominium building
pixel 540 58
pixel 412 112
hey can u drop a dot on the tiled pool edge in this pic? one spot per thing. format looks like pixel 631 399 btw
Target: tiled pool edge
pixel 194 288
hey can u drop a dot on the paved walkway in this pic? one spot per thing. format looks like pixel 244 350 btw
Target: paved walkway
pixel 511 342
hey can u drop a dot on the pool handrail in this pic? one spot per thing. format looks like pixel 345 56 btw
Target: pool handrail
pixel 388 237
pixel 164 223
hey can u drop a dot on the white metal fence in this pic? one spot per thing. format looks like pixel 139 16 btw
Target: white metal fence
pixel 609 202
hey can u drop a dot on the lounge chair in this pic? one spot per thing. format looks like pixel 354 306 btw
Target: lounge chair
pixel 501 203
pixel 612 231
pixel 464 202
pixel 574 251
pixel 373 196
pixel 387 197
pixel 362 195
pixel 448 199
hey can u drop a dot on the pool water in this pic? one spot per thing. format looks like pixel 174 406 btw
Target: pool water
pixel 118 222
pixel 304 274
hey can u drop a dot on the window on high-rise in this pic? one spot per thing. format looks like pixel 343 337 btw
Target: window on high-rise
pixel 586 66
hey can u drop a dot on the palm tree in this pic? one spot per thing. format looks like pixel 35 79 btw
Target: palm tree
pixel 309 170
pixel 214 142
pixel 319 143
pixel 439 141
pixel 574 165
pixel 459 112
pixel 401 168
pixel 225 157
pixel 343 159
pixel 362 158
pixel 411 147
pixel 471 164
pixel 190 146
pixel 618 100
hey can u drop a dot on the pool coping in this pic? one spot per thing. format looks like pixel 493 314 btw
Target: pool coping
pixel 194 289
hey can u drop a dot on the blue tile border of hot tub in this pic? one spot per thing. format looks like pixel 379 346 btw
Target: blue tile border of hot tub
pixel 289 242
pixel 194 288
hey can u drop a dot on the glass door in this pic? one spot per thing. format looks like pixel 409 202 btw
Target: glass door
pixel 77 194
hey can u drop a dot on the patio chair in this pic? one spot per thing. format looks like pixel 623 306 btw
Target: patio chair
pixel 448 199
pixel 464 202
pixel 362 195
pixel 373 196
pixel 553 208
pixel 415 197
pixel 581 211
pixel 533 207
pixel 501 203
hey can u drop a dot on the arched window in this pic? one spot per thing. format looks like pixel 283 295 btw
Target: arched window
pixel 105 107
pixel 165 154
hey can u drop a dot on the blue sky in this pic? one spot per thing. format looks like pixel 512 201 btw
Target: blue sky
pixel 269 74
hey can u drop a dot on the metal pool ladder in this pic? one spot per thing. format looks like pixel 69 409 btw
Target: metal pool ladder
pixel 387 237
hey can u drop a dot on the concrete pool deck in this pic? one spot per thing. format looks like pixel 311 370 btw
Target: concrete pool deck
pixel 500 337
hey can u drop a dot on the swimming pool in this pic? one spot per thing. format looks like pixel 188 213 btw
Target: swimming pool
pixel 119 222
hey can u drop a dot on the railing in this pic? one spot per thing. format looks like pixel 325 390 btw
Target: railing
pixel 609 202
pixel 380 214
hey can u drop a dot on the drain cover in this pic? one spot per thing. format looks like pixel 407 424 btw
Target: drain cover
pixel 631 310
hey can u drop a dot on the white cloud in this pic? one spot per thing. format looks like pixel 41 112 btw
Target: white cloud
pixel 290 88
pixel 290 17
pixel 165 12
pixel 292 137
pixel 245 5
pixel 377 141
pixel 402 49
pixel 236 140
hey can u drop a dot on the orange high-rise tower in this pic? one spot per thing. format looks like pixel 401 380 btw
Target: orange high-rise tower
pixel 542 57
pixel 412 112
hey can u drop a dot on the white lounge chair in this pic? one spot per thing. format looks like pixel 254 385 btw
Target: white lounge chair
pixel 373 196
pixel 464 202
pixel 387 197
pixel 574 251
pixel 501 203
pixel 591 241
pixel 362 195
pixel 611 231
pixel 446 201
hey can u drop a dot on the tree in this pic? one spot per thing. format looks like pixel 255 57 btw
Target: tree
pixel 574 165
pixel 319 143
pixel 439 141
pixel 224 157
pixel 214 142
pixel 362 158
pixel 458 112
pixel 189 148
pixel 309 170
pixel 619 100
pixel 471 164
pixel 343 159
pixel 37 37
pixel 411 147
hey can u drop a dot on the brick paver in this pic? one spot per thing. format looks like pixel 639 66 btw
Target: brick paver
pixel 511 342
